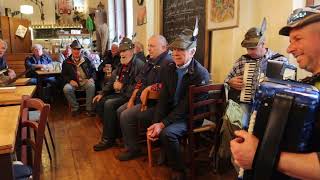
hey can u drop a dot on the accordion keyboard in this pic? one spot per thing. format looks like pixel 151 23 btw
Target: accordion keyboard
pixel 248 84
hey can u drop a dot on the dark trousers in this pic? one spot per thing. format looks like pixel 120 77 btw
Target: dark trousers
pixel 169 137
pixel 129 122
pixel 107 110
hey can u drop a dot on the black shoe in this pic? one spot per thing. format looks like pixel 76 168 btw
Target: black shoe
pixel 178 175
pixel 129 155
pixel 103 144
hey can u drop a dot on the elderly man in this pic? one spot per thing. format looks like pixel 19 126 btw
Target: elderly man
pixel 172 109
pixel 38 61
pixel 116 92
pixel 303 28
pixel 109 63
pixel 148 80
pixel 139 51
pixel 254 42
pixel 5 73
pixel 78 73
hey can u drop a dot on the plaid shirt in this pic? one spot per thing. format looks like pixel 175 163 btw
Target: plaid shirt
pixel 238 67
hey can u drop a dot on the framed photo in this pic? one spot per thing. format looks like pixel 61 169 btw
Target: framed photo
pixel 222 14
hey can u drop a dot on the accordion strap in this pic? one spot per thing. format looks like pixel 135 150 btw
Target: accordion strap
pixel 266 156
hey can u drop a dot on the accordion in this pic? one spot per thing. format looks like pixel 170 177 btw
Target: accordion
pixel 285 117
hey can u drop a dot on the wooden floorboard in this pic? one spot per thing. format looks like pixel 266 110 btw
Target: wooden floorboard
pixel 74 158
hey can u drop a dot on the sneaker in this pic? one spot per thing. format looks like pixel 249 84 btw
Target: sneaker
pixel 103 145
pixel 129 155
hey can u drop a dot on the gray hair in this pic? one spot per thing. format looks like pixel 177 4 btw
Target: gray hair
pixel 4 43
pixel 36 46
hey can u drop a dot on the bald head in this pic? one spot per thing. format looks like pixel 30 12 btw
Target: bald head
pixel 157 44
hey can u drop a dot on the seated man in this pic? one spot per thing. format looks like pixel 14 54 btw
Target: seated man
pixel 130 113
pixel 139 51
pixel 172 109
pixel 109 63
pixel 116 92
pixel 64 54
pixel 38 61
pixel 6 73
pixel 254 42
pixel 78 73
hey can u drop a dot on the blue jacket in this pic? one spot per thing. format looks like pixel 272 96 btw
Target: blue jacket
pixel 31 60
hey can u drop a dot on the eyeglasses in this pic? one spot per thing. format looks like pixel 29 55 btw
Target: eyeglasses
pixel 301 13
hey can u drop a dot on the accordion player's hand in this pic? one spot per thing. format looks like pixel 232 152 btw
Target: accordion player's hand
pixel 236 82
pixel 243 148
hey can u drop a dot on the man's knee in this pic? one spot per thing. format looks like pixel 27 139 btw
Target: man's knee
pixel 68 88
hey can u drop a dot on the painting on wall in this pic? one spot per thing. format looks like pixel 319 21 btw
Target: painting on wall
pixel 141 15
pixel 222 14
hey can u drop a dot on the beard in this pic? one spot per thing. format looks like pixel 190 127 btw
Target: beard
pixel 124 60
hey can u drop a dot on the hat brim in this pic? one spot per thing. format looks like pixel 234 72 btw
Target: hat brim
pixel 180 44
pixel 123 48
pixel 76 47
pixel 251 43
pixel 285 31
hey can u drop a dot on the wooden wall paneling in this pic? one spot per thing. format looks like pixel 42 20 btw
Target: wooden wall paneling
pixel 16 61
pixel 19 45
pixel 5 31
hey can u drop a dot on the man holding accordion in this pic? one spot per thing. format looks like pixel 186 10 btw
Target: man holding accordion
pixel 303 29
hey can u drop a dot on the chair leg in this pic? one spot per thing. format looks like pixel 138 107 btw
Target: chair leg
pixel 47 146
pixel 52 142
pixel 191 156
pixel 149 152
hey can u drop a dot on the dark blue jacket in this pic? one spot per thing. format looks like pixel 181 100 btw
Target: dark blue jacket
pixel 150 73
pixel 3 63
pixel 166 111
pixel 69 70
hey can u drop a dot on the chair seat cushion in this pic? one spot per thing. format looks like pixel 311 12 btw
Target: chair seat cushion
pixel 21 171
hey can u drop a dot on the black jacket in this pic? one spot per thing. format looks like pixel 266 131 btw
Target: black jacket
pixel 69 70
pixel 129 78
pixel 166 111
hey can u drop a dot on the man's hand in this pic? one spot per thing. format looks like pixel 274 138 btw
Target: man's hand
pixel 97 98
pixel 130 104
pixel 243 148
pixel 236 83
pixel 74 83
pixel 144 98
pixel 91 80
pixel 11 74
pixel 154 130
pixel 117 85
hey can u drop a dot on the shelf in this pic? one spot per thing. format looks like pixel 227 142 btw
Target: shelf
pixel 60 34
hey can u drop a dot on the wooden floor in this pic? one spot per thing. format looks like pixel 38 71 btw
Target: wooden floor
pixel 75 159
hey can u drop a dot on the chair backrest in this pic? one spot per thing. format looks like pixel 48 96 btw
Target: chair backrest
pixel 38 127
pixel 201 99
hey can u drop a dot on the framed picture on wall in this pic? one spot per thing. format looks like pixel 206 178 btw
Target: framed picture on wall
pixel 222 14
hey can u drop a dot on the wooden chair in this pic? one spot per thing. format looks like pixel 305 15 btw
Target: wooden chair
pixel 215 98
pixel 214 106
pixel 22 171
pixel 35 116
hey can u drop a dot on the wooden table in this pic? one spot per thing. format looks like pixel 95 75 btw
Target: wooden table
pixel 9 121
pixel 48 73
pixel 14 98
pixel 22 81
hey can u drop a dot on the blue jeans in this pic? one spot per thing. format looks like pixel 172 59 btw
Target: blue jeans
pixel 169 137
pixel 69 93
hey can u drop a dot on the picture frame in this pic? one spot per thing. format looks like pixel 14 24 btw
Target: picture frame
pixel 222 14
